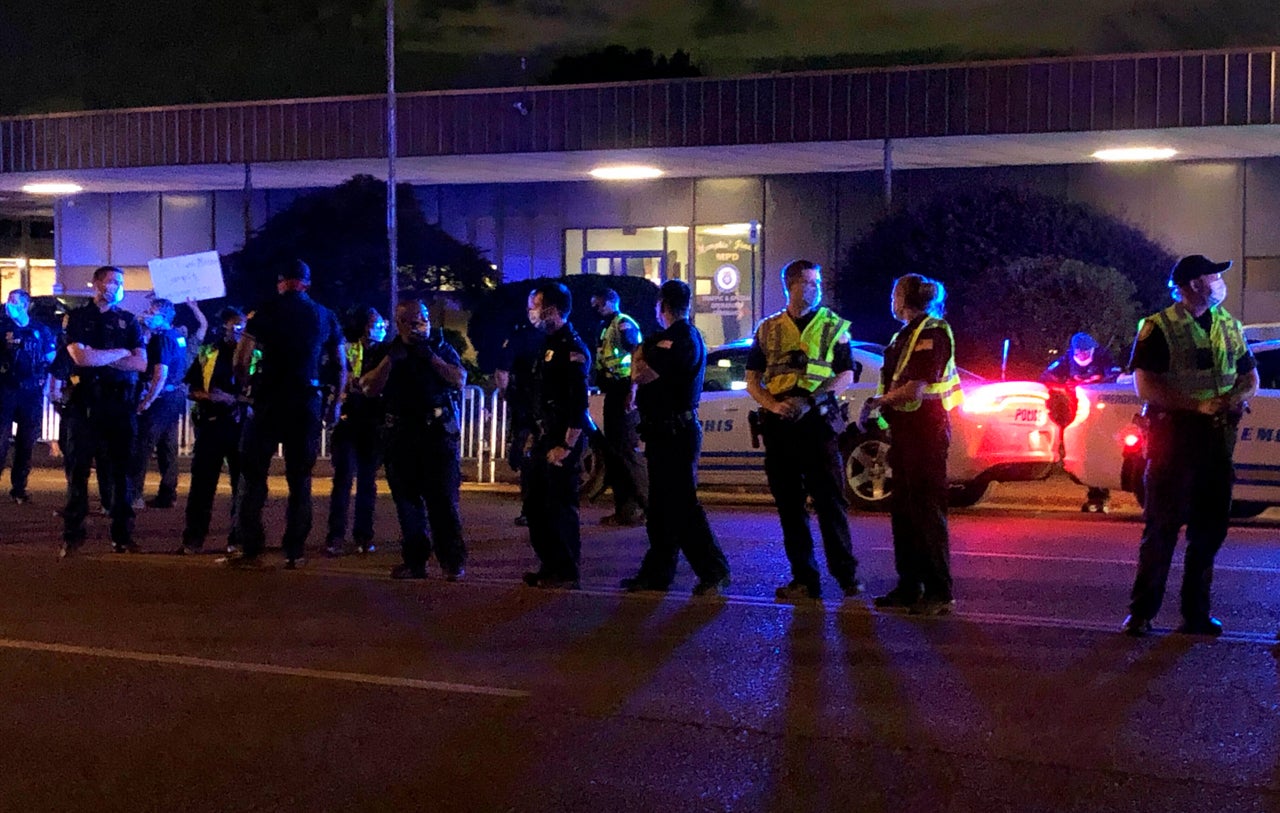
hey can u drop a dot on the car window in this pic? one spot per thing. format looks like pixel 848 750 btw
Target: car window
pixel 726 370
pixel 1268 357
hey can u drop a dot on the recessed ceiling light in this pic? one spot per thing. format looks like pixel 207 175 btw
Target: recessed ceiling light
pixel 1136 154
pixel 52 188
pixel 625 173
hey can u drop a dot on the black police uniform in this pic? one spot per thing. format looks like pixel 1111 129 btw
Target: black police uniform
pixel 356 453
pixel 1063 375
pixel 918 458
pixel 551 498
pixel 158 424
pixel 101 417
pixel 673 440
pixel 421 441
pixel 624 469
pixel 24 362
pixel 1188 480
pixel 520 353
pixel 804 456
pixel 217 430
pixel 294 333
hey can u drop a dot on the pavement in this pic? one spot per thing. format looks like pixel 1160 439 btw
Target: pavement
pixel 157 682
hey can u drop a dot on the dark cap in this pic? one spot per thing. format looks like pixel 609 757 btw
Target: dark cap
pixel 1083 341
pixel 296 270
pixel 1195 266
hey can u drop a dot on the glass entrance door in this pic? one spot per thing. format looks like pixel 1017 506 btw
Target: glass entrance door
pixel 652 265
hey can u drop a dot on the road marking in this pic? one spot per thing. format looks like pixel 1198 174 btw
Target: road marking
pixel 260 668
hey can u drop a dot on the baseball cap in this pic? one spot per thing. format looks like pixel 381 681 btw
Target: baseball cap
pixel 1082 341
pixel 297 270
pixel 1194 266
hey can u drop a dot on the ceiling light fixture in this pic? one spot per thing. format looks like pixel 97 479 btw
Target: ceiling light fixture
pixel 1136 154
pixel 629 172
pixel 52 188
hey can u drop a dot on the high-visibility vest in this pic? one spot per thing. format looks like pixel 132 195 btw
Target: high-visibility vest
pixel 947 390
pixel 355 359
pixel 799 359
pixel 1187 340
pixel 611 357
pixel 207 357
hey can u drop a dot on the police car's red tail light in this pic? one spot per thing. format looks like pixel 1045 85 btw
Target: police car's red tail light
pixel 1131 439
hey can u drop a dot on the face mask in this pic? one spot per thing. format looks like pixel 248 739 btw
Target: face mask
pixel 378 332
pixel 1217 293
pixel 15 312
pixel 114 296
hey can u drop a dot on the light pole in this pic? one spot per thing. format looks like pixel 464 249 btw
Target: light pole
pixel 392 238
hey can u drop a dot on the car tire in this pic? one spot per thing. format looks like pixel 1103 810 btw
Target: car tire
pixel 1246 509
pixel 964 495
pixel 592 485
pixel 868 480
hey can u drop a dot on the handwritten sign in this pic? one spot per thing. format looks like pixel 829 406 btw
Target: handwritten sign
pixel 190 276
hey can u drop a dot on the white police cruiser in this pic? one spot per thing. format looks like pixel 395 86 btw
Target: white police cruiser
pixel 1105 446
pixel 1002 432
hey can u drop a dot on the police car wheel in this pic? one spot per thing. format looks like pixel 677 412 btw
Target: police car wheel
pixel 868 479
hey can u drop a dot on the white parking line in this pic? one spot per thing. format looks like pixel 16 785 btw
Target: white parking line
pixel 259 668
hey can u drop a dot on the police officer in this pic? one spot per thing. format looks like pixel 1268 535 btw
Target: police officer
pixel 1085 362
pixel 514 379
pixel 555 448
pixel 161 405
pixel 104 344
pixel 420 380
pixel 294 334
pixel 623 467
pixel 918 387
pixel 800 361
pixel 668 370
pixel 217 416
pixel 354 448
pixel 1194 373
pixel 26 350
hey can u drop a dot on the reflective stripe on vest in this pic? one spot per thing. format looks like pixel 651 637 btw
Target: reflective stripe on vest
pixel 208 359
pixel 947 390
pixel 784 345
pixel 610 357
pixel 1185 337
pixel 355 359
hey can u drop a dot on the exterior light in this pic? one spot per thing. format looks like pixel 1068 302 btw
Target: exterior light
pixel 628 172
pixel 1136 154
pixel 52 188
pixel 729 230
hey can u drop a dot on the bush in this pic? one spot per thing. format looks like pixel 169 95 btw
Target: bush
pixel 958 236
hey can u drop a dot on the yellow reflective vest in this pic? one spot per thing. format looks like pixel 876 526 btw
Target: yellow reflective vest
pixel 207 358
pixel 611 358
pixel 947 390
pixel 1187 340
pixel 799 359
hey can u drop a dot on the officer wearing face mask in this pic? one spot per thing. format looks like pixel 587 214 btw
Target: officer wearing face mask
pixel 104 343
pixel 26 349
pixel 1194 373
pixel 161 405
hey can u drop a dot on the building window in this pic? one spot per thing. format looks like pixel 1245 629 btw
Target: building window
pixel 1260 292
pixel 726 281
pixel 657 253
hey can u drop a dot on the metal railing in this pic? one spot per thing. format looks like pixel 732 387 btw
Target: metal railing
pixel 483 425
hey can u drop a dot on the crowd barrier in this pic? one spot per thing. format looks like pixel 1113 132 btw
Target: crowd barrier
pixel 483 441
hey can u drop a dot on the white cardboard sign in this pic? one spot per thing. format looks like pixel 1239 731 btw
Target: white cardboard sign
pixel 190 276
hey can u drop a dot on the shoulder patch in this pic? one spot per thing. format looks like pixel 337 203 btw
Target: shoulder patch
pixel 1147 327
pixel 924 344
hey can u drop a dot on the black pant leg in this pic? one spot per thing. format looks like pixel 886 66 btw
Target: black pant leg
pixel 257 446
pixel 368 461
pixel 300 429
pixel 824 479
pixel 663 520
pixel 342 454
pixel 1208 520
pixel 115 426
pixel 29 415
pixel 406 477
pixel 1168 481
pixel 441 493
pixel 624 469
pixel 784 451
pixel 78 450
pixel 694 533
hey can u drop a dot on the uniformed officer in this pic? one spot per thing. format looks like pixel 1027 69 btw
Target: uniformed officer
pixel 918 387
pixel 1194 373
pixel 514 379
pixel 420 380
pixel 555 448
pixel 294 334
pixel 161 404
pixel 623 468
pixel 1084 362
pixel 217 418
pixel 799 363
pixel 104 344
pixel 668 370
pixel 354 448
pixel 26 350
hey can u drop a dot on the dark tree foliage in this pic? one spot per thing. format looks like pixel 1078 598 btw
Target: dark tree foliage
pixel 495 317
pixel 959 235
pixel 1056 298
pixel 619 64
pixel 341 234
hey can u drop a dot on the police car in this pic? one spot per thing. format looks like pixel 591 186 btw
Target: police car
pixel 1105 445
pixel 1002 432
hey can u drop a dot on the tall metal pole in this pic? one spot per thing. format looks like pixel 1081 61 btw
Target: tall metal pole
pixel 392 239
